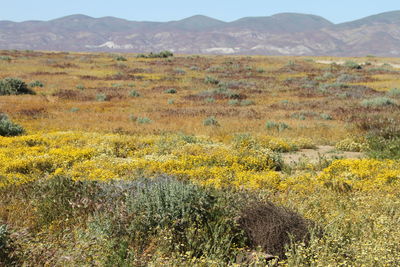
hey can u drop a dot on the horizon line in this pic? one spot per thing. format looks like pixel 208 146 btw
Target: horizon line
pixel 176 20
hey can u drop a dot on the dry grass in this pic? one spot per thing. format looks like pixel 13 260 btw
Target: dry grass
pixel 278 86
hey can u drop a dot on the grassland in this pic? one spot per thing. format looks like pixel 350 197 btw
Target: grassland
pixel 135 161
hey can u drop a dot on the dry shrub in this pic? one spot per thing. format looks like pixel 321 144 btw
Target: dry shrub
pixel 72 95
pixel 39 73
pixel 33 112
pixel 272 228
pixel 90 77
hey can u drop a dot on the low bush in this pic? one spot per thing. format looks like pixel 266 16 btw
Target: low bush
pixel 120 58
pixel 8 128
pixel 102 97
pixel 352 65
pixel 352 145
pixel 171 91
pixel 134 93
pixel 280 126
pixel 211 121
pixel 80 87
pixel 385 127
pixel 14 86
pixel 209 100
pixel 143 120
pixel 348 78
pixel 378 102
pixel 5 58
pixel 326 117
pixel 36 84
pixel 211 80
pixel 394 92
pixel 383 148
pixel 382 136
pixel 273 228
pixel 163 54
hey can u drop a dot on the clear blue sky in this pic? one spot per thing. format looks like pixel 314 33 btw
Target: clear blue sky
pixel 166 10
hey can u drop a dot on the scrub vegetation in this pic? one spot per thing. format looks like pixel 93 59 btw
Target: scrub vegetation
pixel 173 160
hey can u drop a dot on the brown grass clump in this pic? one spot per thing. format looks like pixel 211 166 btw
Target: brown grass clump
pixel 272 228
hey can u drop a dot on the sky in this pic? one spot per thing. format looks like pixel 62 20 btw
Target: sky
pixel 166 10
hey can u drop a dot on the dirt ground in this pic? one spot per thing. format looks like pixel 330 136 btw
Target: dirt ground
pixel 314 155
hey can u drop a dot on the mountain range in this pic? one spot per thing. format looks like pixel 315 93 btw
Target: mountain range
pixel 280 34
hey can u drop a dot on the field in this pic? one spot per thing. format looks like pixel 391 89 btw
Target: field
pixel 143 160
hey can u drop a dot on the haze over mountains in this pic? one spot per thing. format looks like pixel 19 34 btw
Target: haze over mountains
pixel 280 34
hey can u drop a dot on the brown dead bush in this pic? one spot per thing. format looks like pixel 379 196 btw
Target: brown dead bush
pixel 272 228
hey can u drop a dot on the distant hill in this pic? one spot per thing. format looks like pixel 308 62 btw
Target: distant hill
pixel 280 34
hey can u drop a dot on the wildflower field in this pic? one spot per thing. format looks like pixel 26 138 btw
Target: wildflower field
pixel 173 160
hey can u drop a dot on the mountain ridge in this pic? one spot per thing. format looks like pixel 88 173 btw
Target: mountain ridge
pixel 280 34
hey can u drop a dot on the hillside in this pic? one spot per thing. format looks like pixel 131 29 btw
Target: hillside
pixel 280 34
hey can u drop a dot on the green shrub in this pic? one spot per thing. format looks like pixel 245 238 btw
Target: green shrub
pixel 348 78
pixel 378 102
pixel 395 92
pixel 8 128
pixel 134 93
pixel 352 65
pixel 143 120
pixel 211 80
pixel 171 101
pixel 170 91
pixel 324 88
pixel 194 217
pixel 36 84
pixel 211 121
pixel 101 97
pixel 163 216
pixel 210 100
pixel 280 126
pixel 382 136
pixel 383 148
pixel 5 58
pixel 260 70
pixel 179 71
pixel 246 102
pixel 233 102
pixel 116 85
pixel 120 58
pixel 14 86
pixel 80 87
pixel 326 116
pixel 220 92
pixel 163 54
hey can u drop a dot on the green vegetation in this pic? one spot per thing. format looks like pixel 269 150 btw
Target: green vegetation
pixel 120 58
pixel 163 54
pixel 211 121
pixel 280 126
pixel 8 128
pixel 378 102
pixel 223 161
pixel 101 97
pixel 171 91
pixel 36 84
pixel 134 93
pixel 14 86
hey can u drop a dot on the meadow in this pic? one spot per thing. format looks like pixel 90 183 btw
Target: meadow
pixel 175 160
